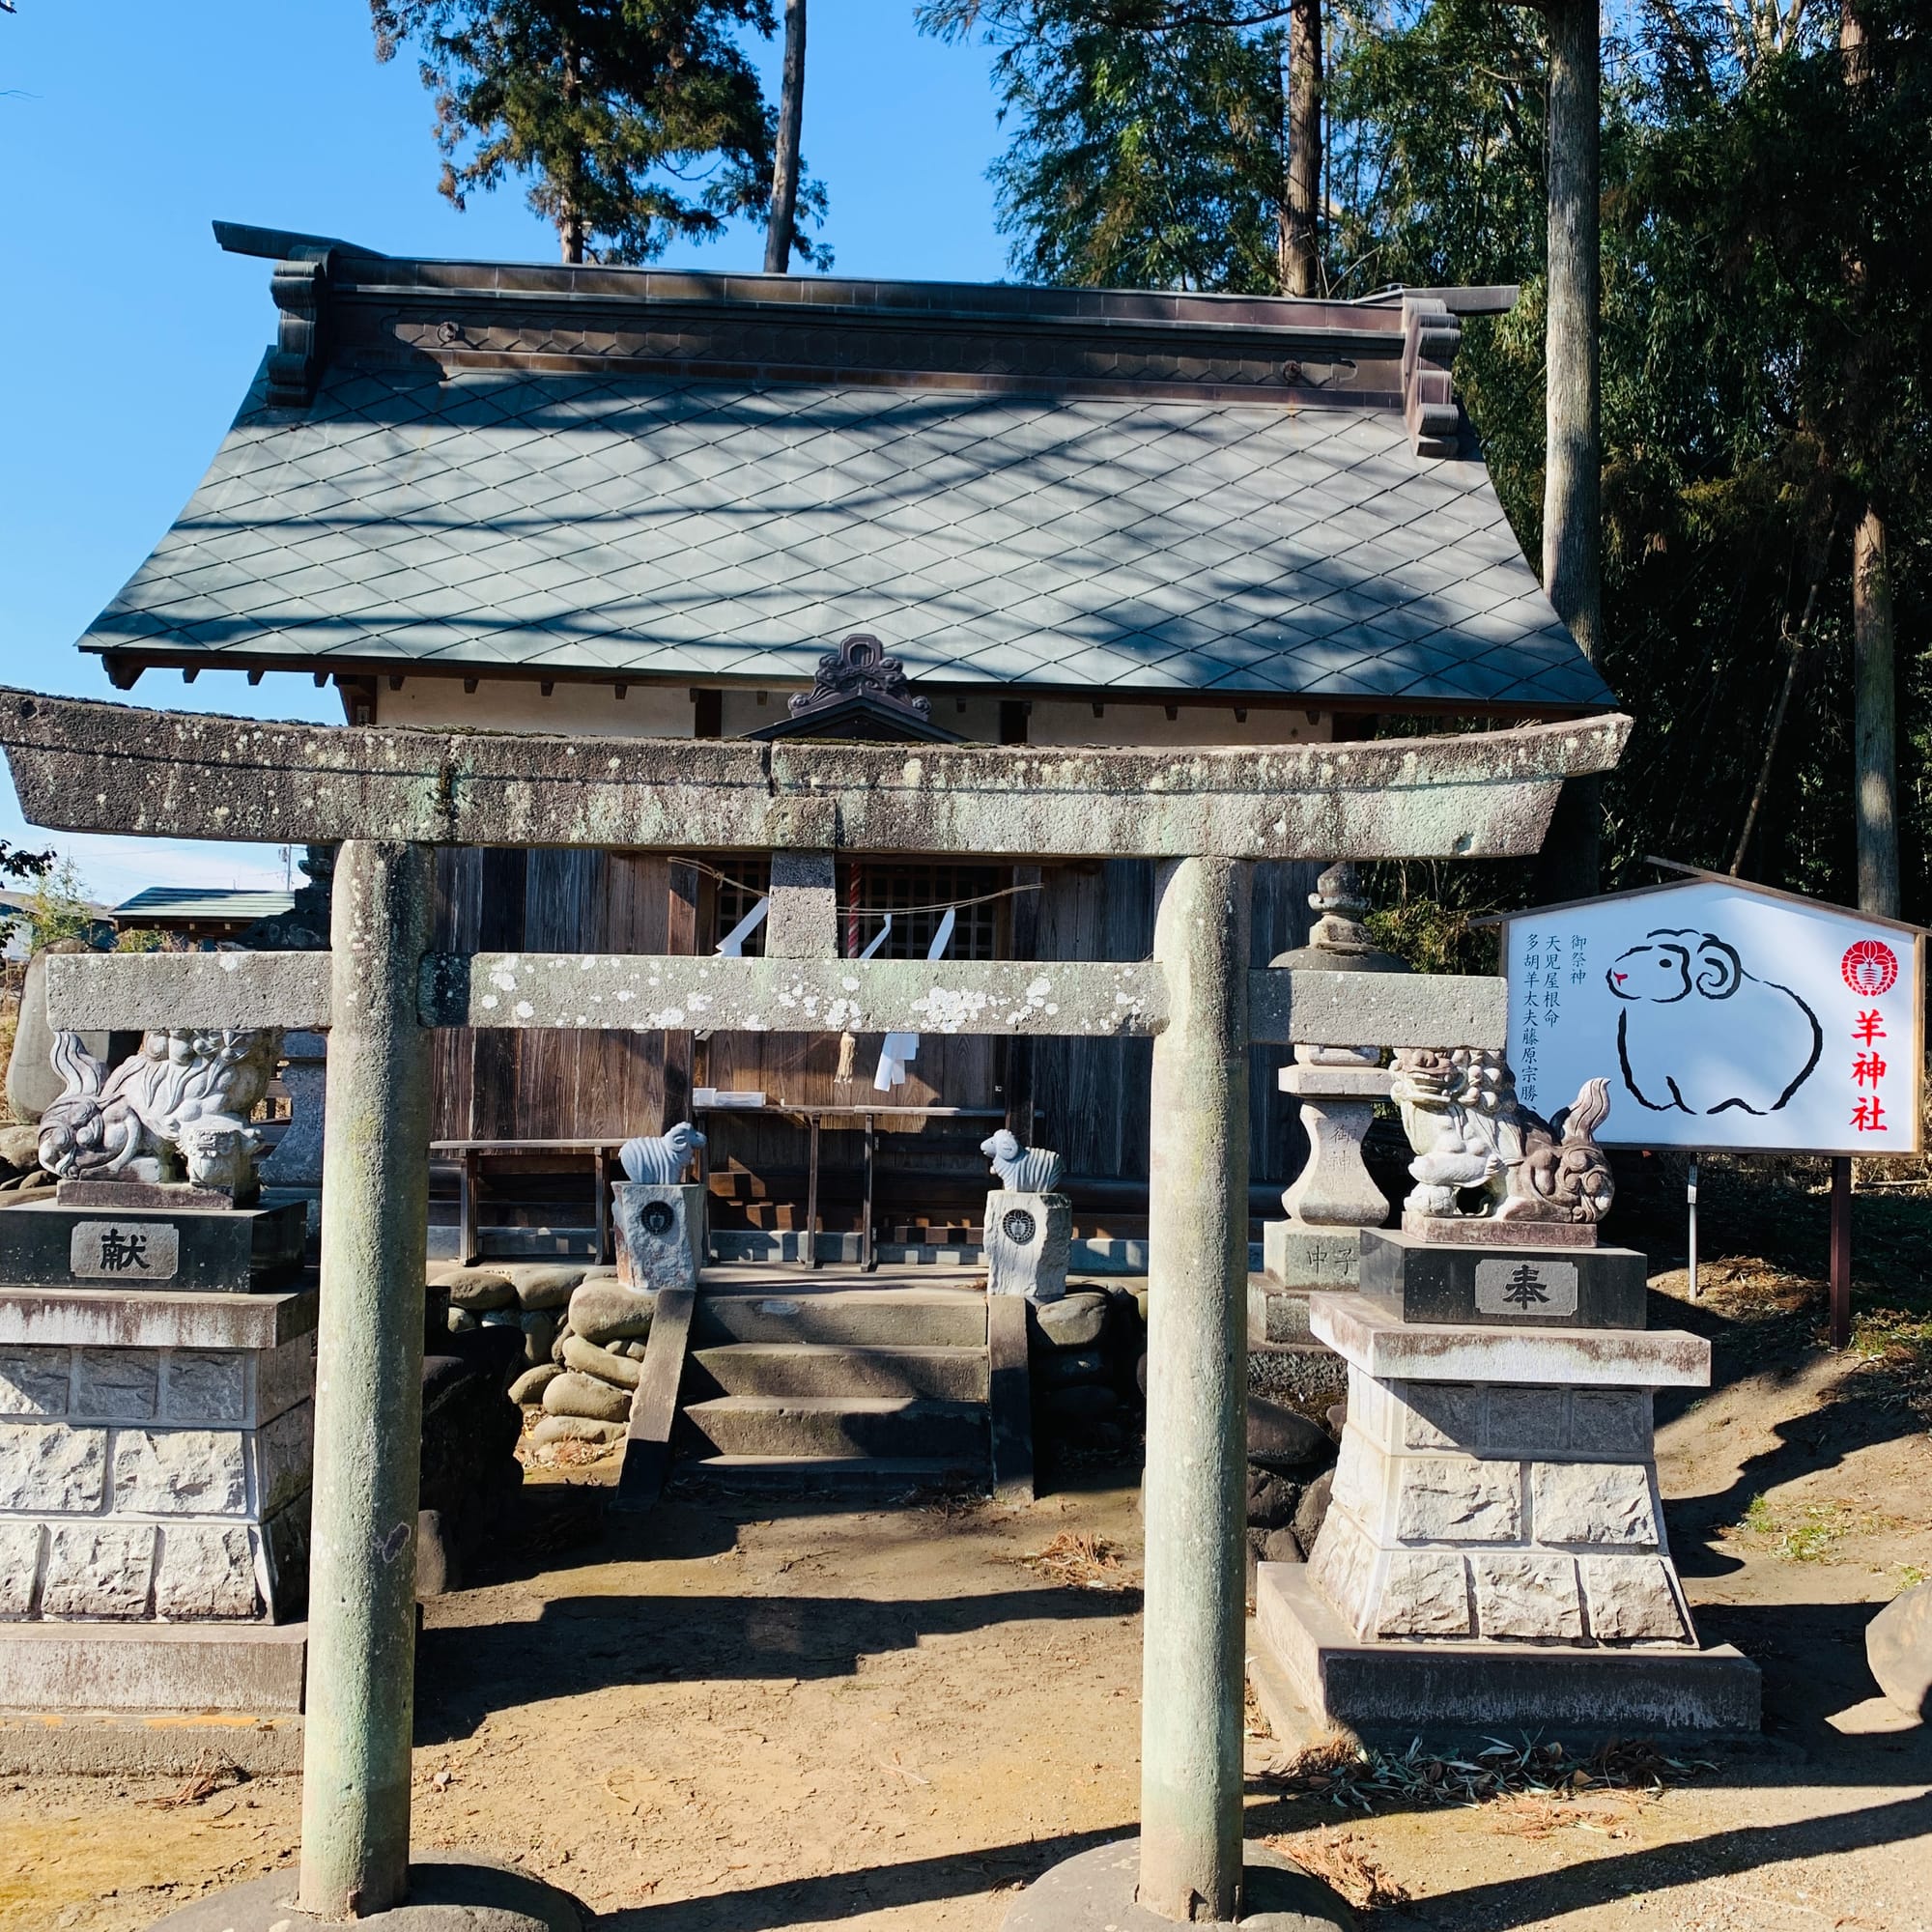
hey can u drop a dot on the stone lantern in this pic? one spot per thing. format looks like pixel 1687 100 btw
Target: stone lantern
pixel 1334 1197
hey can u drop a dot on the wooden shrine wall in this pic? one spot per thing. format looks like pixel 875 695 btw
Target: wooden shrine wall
pixel 1090 1096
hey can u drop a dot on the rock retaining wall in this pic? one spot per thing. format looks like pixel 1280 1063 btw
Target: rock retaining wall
pixel 584 1340
pixel 1083 1353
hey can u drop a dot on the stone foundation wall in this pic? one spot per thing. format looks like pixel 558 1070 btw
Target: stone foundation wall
pixel 1083 1353
pixel 164 1482
pixel 1474 1510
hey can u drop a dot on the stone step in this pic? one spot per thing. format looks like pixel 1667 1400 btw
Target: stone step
pixel 878 1317
pixel 883 1426
pixel 867 1475
pixel 825 1369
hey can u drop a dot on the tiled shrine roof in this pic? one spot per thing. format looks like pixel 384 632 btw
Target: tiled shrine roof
pixel 608 473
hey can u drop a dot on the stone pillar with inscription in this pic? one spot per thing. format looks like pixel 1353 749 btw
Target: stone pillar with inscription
pixel 1495 1553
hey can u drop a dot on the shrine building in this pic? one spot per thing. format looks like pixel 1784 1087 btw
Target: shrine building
pixel 609 501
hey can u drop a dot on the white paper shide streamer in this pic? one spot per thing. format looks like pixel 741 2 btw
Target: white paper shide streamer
pixel 901 1048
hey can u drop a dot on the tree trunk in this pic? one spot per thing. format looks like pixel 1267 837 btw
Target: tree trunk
pixel 791 117
pixel 1301 214
pixel 1875 713
pixel 1853 44
pixel 570 228
pixel 1571 512
pixel 1875 701
pixel 1792 666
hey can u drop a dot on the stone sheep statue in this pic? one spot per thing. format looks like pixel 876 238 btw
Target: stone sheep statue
pixel 663 1159
pixel 1022 1170
pixel 1676 987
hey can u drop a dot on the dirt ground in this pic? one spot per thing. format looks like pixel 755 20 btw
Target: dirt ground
pixel 722 1716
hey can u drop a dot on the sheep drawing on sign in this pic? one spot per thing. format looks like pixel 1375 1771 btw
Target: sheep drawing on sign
pixel 1685 992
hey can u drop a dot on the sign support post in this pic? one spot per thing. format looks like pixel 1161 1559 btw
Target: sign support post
pixel 1841 1250
pixel 1691 1201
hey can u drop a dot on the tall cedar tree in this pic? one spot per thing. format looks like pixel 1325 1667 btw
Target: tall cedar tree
pixel 1146 145
pixel 638 121
pixel 1766 342
pixel 1808 185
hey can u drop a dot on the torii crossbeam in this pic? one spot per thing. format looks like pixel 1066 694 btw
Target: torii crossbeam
pixel 389 796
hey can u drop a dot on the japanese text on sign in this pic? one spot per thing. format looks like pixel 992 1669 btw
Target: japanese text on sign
pixel 1721 1017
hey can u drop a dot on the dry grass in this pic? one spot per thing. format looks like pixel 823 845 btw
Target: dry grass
pixel 1894 1369
pixel 1529 1817
pixel 1335 1856
pixel 210 1776
pixel 574 1454
pixel 1075 1560
pixel 1355 1778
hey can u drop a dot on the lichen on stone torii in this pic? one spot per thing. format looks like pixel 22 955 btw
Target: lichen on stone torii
pixel 79 765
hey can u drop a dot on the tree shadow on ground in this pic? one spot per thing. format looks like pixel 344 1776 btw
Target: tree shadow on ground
pixel 850 1895
pixel 581 1646
pixel 1654 1873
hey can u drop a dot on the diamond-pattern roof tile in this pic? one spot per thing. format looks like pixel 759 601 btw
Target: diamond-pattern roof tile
pixel 682 528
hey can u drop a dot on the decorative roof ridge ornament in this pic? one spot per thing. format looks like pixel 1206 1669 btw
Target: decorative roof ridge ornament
pixel 299 287
pixel 1431 336
pixel 858 691
pixel 859 665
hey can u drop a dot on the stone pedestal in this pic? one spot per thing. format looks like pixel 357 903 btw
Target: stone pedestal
pixel 155 1454
pixel 1334 1197
pixel 1496 1507
pixel 448 1891
pixel 133 1235
pixel 1026 1244
pixel 660 1234
pixel 1529 1287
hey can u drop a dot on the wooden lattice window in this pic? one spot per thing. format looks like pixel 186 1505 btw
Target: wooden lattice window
pixel 916 896
pixel 737 885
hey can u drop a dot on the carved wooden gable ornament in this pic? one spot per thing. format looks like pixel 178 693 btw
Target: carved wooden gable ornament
pixel 858 691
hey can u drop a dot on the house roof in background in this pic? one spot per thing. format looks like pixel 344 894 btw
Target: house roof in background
pixel 22 899
pixel 202 905
pixel 608 473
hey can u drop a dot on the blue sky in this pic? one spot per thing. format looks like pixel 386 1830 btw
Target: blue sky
pixel 128 338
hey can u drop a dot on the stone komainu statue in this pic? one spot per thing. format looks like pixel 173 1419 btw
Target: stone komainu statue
pixel 181 1100
pixel 1472 1134
pixel 1022 1170
pixel 661 1160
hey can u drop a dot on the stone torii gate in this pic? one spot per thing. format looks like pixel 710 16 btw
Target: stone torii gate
pixel 389 796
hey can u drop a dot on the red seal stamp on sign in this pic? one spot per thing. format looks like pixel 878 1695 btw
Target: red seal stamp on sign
pixel 1871 968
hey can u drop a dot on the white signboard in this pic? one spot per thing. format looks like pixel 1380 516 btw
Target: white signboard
pixel 1723 1016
